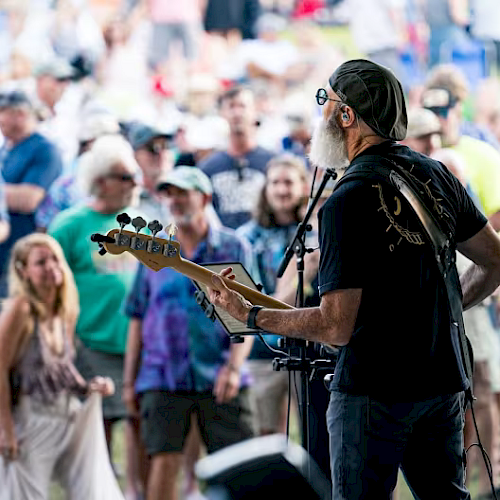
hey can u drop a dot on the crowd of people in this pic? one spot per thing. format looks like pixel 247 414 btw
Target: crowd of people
pixel 198 113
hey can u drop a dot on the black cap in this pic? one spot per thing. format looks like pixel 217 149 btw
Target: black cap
pixel 375 94
pixel 14 98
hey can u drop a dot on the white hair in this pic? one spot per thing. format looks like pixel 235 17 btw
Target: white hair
pixel 105 153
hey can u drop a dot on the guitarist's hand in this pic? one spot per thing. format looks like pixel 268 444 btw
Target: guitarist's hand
pixel 233 302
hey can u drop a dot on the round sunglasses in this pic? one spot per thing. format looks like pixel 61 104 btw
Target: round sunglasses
pixel 322 97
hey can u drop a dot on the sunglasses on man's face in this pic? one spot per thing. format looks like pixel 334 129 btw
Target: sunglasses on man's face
pixel 322 97
pixel 155 148
pixel 122 177
pixel 441 112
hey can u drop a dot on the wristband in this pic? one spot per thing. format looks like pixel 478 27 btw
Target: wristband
pixel 252 318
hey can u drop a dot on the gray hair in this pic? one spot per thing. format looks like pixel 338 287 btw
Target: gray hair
pixel 105 153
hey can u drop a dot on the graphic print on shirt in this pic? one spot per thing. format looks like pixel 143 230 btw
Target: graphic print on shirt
pixel 237 194
pixel 392 208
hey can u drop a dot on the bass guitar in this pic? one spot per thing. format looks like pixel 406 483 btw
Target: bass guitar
pixel 157 253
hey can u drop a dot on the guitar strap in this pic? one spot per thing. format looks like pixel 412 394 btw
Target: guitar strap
pixel 437 233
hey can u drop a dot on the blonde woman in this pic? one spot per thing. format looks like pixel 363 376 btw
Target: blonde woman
pixel 45 431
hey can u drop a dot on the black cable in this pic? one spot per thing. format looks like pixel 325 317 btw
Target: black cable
pixel 289 404
pixel 486 458
pixel 297 392
pixel 287 355
pixel 272 349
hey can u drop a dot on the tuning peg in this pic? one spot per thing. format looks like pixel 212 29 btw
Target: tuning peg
pixel 155 227
pixel 120 238
pixel 171 229
pixel 138 243
pixel 101 238
pixel 138 223
pixel 123 219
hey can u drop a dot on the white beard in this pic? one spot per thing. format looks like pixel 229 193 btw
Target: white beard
pixel 328 148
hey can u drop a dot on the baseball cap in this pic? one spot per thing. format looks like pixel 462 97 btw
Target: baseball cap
pixel 187 178
pixel 58 68
pixel 14 98
pixel 438 100
pixel 95 125
pixel 139 134
pixel 211 132
pixel 270 23
pixel 203 82
pixel 375 93
pixel 422 122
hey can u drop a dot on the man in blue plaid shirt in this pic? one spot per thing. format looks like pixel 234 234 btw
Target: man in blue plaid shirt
pixel 179 362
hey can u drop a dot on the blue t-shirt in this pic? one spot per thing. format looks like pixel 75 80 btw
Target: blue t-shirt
pixel 35 160
pixel 237 183
pixel 4 214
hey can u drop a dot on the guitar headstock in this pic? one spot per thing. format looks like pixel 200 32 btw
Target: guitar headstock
pixel 153 252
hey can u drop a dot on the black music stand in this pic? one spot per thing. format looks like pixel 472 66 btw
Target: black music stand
pixel 234 328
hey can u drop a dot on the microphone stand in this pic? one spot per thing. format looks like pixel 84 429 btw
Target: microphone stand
pixel 302 363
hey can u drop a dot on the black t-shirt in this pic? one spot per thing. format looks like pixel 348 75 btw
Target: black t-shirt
pixel 402 347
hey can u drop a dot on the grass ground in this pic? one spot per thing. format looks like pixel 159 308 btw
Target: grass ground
pixel 119 459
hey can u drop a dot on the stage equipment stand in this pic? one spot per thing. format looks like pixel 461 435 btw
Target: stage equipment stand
pixel 301 362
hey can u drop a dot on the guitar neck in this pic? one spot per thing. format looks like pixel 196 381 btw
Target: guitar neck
pixel 118 241
pixel 204 275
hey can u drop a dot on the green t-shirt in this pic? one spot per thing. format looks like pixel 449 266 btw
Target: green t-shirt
pixel 482 163
pixel 102 280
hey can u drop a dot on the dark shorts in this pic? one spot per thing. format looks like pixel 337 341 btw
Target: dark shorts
pixel 166 420
pixel 90 364
pixel 370 441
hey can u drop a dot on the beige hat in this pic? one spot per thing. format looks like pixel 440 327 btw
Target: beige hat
pixel 96 125
pixel 422 122
pixel 203 82
pixel 57 67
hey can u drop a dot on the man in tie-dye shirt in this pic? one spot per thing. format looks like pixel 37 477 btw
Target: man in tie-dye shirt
pixel 179 361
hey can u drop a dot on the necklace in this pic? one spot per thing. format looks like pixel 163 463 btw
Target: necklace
pixel 53 335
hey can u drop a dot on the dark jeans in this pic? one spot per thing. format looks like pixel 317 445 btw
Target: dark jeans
pixel 370 441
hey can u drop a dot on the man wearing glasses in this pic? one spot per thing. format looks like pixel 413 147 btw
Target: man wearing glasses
pixel 444 95
pixel 397 394
pixel 108 174
pixel 153 157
